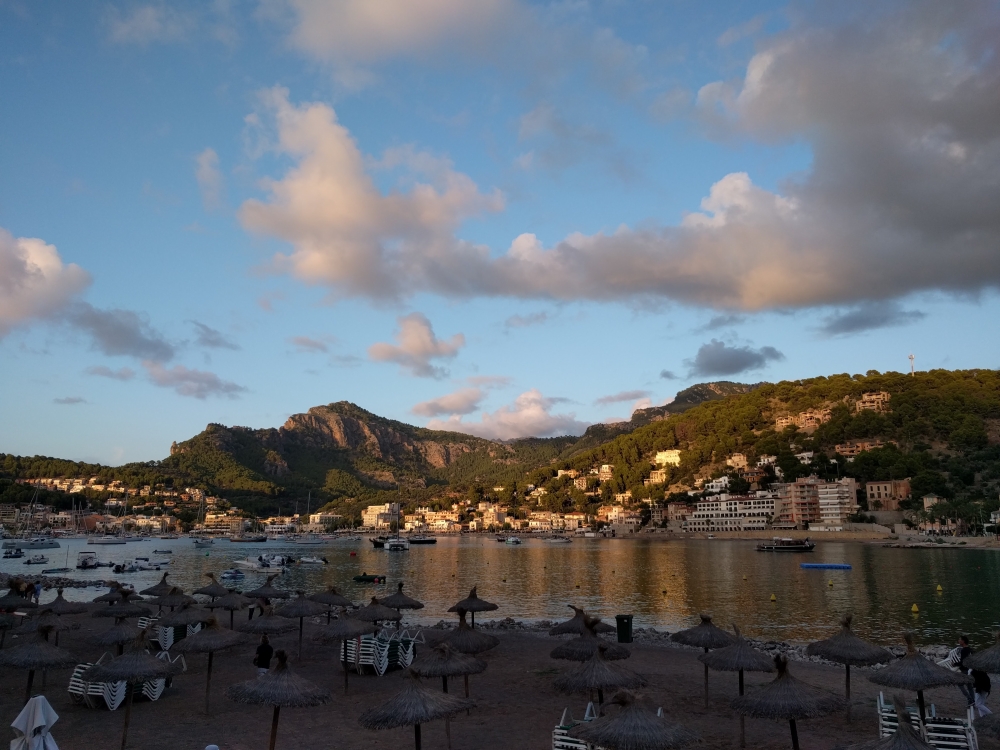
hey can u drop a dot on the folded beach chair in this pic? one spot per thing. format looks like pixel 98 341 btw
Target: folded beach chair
pixel 951 734
pixel 888 721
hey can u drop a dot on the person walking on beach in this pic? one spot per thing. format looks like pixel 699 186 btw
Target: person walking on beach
pixel 37 593
pixel 979 690
pixel 263 658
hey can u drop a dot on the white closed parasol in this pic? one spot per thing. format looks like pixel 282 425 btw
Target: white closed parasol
pixel 32 726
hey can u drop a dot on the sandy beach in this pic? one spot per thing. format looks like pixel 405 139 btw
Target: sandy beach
pixel 517 705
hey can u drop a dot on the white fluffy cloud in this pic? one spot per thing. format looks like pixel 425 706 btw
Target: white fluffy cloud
pixel 897 104
pixel 529 415
pixel 34 281
pixel 416 346
pixel 462 401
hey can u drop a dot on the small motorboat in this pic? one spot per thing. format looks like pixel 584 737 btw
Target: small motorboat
pixel 11 553
pixel 397 544
pixel 37 560
pixel 106 539
pixel 512 540
pixel 204 542
pixel 87 561
pixel 559 540
pixel 368 578
pixel 313 561
pixel 49 571
pixel 378 542
pixel 126 567
pixel 780 544
pixel 232 574
pixel 423 539
pixel 163 552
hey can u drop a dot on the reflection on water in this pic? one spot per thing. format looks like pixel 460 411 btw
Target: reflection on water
pixel 664 584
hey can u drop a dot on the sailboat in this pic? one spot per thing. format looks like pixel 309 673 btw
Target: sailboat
pixel 24 541
pixel 309 538
pixel 66 569
pixel 393 543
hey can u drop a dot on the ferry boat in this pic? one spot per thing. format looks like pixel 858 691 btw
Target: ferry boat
pixel 106 539
pixel 782 544
pixel 38 542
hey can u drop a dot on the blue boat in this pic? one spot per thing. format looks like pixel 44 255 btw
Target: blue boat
pixel 830 566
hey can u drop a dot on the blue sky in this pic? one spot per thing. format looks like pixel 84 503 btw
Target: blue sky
pixel 501 217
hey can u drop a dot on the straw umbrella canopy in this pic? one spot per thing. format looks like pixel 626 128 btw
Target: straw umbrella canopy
pixel 472 603
pixel 344 630
pixel 232 602
pixel 173 598
pixel 634 727
pixel 444 662
pixel 413 705
pixel 468 641
pixel 847 649
pixel 13 600
pixel 123 609
pixel 916 672
pixel 399 600
pixel 330 598
pixel 786 698
pixel 706 636
pixel 6 623
pixel 44 619
pixel 113 595
pixel 267 624
pixel 576 625
pixel 904 738
pixel 987 660
pixel 301 608
pixel 161 589
pixel 267 591
pixel 598 674
pixel 213 589
pixel 187 614
pixel 118 635
pixel 740 657
pixel 133 667
pixel 376 612
pixel 59 606
pixel 208 640
pixel 36 654
pixel 583 648
pixel 280 687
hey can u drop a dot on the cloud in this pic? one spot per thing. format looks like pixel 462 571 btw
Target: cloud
pixel 194 383
pixel 209 180
pixel 213 339
pixel 668 375
pixel 523 321
pixel 69 400
pixel 560 143
pixel 489 381
pixel 34 281
pixel 464 401
pixel 618 398
pixel 894 101
pixel 722 321
pixel 867 317
pixel 344 232
pixel 716 358
pixel 306 344
pixel 123 373
pixel 120 332
pixel 144 24
pixel 417 346
pixel 741 31
pixel 529 416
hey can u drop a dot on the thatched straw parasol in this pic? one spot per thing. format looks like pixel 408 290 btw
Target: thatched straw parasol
pixel 705 636
pixel 740 657
pixel 267 624
pixel 330 598
pixel 13 600
pixel 442 661
pixel 36 654
pixel 118 635
pixel 376 612
pixel 598 674
pixel 915 672
pixel 133 667
pixel 465 640
pixel 279 687
pixel 231 601
pixel 161 589
pixel 42 619
pixel 173 598
pixel 187 614
pixel 113 595
pixel 301 608
pixel 904 738
pixel 59 606
pixel 847 649
pixel 399 600
pixel 344 630
pixel 6 623
pixel 267 591
pixel 576 625
pixel 213 589
pixel 635 727
pixel 122 609
pixel 583 648
pixel 987 660
pixel 472 603
pixel 413 705
pixel 786 698
pixel 208 640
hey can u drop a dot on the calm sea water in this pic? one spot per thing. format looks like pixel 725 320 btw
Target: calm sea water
pixel 663 584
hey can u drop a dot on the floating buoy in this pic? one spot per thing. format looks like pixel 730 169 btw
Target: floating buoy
pixel 774 598
pixel 744 578
pixel 354 554
pixel 505 581
pixel 939 588
pixel 914 609
pixel 830 582
pixel 664 592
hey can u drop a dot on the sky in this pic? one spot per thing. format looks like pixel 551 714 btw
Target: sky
pixel 493 216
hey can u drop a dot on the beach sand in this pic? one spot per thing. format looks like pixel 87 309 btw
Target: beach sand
pixel 517 704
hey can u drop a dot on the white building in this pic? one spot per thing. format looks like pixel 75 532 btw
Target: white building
pixel 837 502
pixel 667 458
pixel 732 513
pixel 717 485
pixel 380 516
pixel 737 461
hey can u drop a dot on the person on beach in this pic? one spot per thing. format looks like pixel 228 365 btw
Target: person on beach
pixel 37 594
pixel 979 690
pixel 263 658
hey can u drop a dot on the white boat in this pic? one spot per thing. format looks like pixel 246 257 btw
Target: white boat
pixel 37 560
pixel 274 563
pixel 232 574
pixel 87 561
pixel 397 545
pixel 204 542
pixel 106 539
pixel 559 540
pixel 512 540
pixel 309 539
pixel 38 542
pixel 313 561
pixel 128 566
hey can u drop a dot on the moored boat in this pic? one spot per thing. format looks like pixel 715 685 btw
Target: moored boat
pixel 512 540
pixel 783 544
pixel 36 560
pixel 422 539
pixel 369 578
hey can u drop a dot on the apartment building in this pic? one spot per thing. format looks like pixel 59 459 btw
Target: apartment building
pixel 657 476
pixel 799 503
pixel 886 495
pixel 380 516
pixel 667 458
pixel 875 401
pixel 853 447
pixel 606 472
pixel 838 501
pixel 732 513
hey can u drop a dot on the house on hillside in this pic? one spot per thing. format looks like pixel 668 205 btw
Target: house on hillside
pixel 667 458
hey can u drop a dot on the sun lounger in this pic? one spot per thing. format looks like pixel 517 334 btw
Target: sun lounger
pixel 939 732
pixel 560 734
pixel 381 653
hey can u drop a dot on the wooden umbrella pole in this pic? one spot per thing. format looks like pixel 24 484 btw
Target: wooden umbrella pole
pixel 128 712
pixel 743 719
pixel 232 612
pixel 274 726
pixel 300 637
pixel 208 680
pixel 795 735
pixel 473 620
pixel 444 683
pixel 416 737
pixel 847 690
pixel 344 641
pixel 466 692
pixel 27 690
pixel 706 682
pixel 920 704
